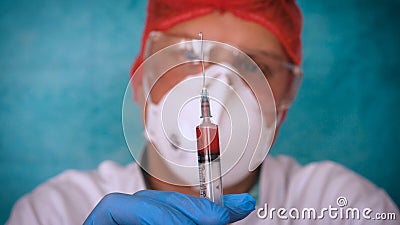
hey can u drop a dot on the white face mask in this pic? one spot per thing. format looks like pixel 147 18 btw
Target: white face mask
pixel 245 138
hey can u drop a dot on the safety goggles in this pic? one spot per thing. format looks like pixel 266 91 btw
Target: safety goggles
pixel 283 77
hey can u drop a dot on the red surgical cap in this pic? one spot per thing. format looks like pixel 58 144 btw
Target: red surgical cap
pixel 281 17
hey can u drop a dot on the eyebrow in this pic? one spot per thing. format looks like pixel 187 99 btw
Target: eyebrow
pixel 182 35
pixel 266 53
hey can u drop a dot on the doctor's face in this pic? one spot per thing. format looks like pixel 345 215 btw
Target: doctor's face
pixel 256 41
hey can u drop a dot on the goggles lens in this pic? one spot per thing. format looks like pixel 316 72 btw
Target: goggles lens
pixel 283 77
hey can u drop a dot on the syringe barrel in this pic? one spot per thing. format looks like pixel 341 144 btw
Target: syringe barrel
pixel 209 161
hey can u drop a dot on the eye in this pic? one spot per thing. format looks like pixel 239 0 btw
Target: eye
pixel 251 67
pixel 190 55
pixel 245 65
pixel 263 64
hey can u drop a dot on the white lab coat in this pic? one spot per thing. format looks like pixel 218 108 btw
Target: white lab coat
pixel 69 197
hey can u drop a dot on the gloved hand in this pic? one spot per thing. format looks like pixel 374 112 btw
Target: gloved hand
pixel 160 207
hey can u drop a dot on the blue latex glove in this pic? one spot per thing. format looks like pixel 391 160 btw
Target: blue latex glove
pixel 160 207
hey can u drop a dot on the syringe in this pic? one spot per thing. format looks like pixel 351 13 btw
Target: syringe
pixel 208 148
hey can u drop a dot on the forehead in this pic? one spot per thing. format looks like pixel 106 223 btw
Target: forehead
pixel 227 28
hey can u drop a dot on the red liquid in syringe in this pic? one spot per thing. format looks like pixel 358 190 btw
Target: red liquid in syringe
pixel 209 155
pixel 207 141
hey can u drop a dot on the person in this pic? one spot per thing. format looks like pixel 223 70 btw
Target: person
pixel 282 189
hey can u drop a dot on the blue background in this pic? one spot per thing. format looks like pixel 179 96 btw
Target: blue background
pixel 65 64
